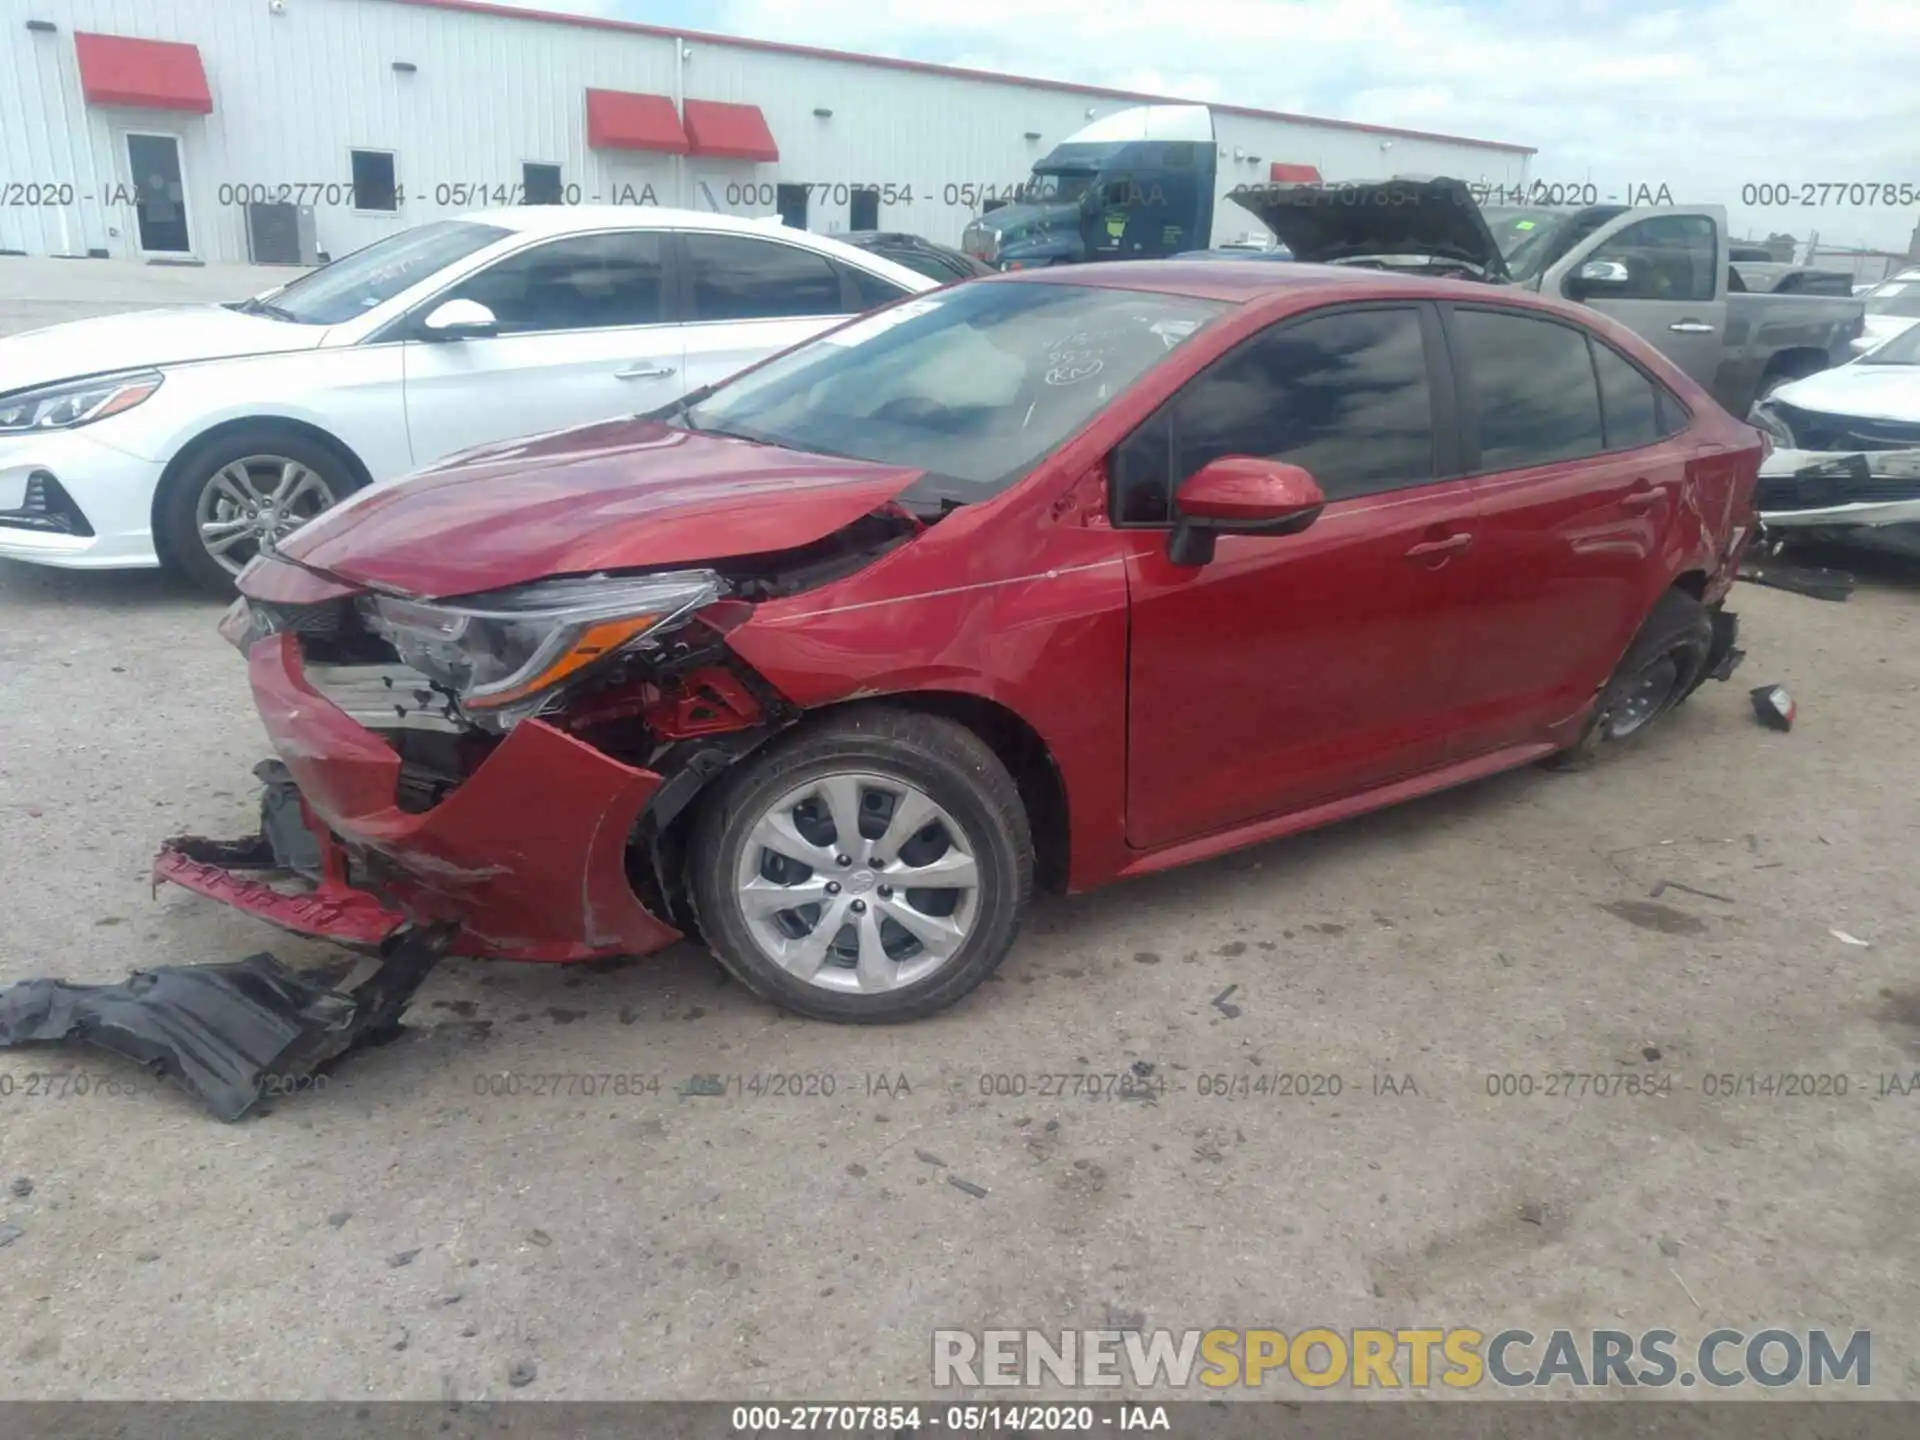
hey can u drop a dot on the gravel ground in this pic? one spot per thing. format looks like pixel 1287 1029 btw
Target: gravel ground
pixel 406 1232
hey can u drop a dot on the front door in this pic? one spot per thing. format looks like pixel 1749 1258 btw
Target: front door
pixel 583 336
pixel 1295 669
pixel 160 195
pixel 1674 293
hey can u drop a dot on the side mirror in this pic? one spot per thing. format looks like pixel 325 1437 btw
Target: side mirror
pixel 1596 277
pixel 460 320
pixel 1240 495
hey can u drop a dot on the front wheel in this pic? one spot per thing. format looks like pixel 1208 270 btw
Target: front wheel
pixel 871 868
pixel 229 496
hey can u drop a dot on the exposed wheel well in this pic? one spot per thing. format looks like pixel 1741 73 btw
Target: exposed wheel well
pixel 1797 363
pixel 1693 582
pixel 313 433
pixel 1025 754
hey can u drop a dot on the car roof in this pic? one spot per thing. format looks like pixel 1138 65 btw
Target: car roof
pixel 564 219
pixel 1239 283
pixel 551 220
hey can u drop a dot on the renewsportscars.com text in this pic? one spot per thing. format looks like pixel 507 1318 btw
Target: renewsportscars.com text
pixel 1415 1358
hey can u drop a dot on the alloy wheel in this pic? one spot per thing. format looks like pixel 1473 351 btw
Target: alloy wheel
pixel 858 882
pixel 250 503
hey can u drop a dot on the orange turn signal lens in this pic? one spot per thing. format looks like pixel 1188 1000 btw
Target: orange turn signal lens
pixel 592 644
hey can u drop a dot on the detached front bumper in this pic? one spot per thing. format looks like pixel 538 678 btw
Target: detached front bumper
pixel 527 857
pixel 1821 490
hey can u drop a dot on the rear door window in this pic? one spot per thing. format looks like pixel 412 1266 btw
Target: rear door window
pixel 1528 387
pixel 742 277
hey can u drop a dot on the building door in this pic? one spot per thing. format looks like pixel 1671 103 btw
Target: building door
pixel 863 212
pixel 160 194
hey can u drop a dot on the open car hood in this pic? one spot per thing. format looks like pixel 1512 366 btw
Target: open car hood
pixel 620 495
pixel 1320 224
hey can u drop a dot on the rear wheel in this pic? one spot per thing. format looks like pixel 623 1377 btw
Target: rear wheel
pixel 1666 660
pixel 230 495
pixel 872 868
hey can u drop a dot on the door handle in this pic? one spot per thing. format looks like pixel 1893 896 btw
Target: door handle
pixel 1430 549
pixel 1641 497
pixel 642 371
pixel 1691 327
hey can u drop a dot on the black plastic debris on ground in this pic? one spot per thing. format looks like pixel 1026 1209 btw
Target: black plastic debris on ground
pixel 1816 581
pixel 225 1032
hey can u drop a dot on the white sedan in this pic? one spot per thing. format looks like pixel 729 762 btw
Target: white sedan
pixel 1846 460
pixel 188 437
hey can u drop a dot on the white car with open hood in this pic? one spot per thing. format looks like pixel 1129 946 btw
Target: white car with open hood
pixel 189 437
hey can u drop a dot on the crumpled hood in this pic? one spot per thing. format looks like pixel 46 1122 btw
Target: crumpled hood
pixel 1870 392
pixel 1386 217
pixel 622 494
pixel 142 338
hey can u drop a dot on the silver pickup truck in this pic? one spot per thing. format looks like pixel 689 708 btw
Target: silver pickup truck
pixel 1662 272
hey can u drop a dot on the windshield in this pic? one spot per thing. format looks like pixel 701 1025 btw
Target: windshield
pixel 973 385
pixel 354 284
pixel 1895 297
pixel 1531 240
pixel 1511 228
pixel 1061 186
pixel 1903 349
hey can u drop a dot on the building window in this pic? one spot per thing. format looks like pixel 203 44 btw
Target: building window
pixel 863 213
pixel 539 184
pixel 791 201
pixel 373 187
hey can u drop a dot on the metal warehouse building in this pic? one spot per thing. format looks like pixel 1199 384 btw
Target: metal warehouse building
pixel 291 130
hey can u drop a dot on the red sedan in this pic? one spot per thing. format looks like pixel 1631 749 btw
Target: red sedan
pixel 1055 577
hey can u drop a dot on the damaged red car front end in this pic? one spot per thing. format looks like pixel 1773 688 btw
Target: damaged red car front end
pixel 521 822
pixel 527 855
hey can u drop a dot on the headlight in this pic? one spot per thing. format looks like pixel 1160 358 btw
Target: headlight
pixel 1764 418
pixel 78 402
pixel 504 655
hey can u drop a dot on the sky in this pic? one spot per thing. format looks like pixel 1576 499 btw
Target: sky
pixel 1707 98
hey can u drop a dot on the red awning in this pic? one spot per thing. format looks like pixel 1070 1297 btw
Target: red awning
pixel 1298 174
pixel 141 74
pixel 624 120
pixel 731 132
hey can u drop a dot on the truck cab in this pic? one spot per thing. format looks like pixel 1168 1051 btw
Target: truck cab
pixel 1136 185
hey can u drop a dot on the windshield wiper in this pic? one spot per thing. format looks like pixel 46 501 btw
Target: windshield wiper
pixel 677 407
pixel 265 307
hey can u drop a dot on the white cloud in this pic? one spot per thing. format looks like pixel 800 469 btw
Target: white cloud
pixel 1704 98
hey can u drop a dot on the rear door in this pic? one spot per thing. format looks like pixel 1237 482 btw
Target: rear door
pixel 584 336
pixel 744 297
pixel 1577 479
pixel 1292 670
pixel 1671 288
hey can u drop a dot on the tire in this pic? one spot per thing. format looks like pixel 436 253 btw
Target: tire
pixel 877 759
pixel 1663 665
pixel 225 471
